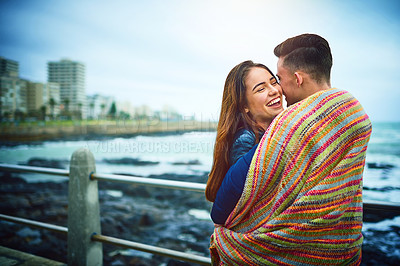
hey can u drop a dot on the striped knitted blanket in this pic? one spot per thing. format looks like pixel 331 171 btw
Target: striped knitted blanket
pixel 302 200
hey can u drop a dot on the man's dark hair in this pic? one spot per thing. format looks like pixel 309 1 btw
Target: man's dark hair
pixel 307 52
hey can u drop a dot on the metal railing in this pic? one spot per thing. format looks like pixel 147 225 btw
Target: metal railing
pixel 86 249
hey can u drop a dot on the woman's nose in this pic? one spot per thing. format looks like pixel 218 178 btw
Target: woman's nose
pixel 273 90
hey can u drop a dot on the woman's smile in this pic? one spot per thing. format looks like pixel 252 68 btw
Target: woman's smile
pixel 275 102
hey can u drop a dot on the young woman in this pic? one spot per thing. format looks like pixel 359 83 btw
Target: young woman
pixel 252 98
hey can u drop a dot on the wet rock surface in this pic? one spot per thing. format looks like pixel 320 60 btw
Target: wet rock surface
pixel 147 215
pixel 154 216
pixel 130 161
pixel 41 162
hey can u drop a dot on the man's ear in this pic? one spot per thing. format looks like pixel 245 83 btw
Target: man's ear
pixel 299 79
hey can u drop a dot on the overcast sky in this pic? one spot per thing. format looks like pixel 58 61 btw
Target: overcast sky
pixel 179 53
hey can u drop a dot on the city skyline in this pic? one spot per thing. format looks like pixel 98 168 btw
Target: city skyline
pixel 123 106
pixel 179 53
pixel 63 91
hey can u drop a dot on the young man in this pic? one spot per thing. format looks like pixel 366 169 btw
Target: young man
pixel 301 201
pixel 304 66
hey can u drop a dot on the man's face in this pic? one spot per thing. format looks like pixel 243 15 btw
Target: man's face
pixel 287 79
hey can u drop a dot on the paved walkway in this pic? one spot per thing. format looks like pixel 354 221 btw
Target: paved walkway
pixel 11 257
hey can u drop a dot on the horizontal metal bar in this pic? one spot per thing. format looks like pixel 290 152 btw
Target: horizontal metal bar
pixel 110 240
pixel 51 227
pixel 198 187
pixel 152 249
pixel 34 169
pixel 381 205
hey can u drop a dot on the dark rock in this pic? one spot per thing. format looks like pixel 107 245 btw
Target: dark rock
pixel 40 162
pixel 146 220
pixel 201 178
pixel 191 162
pixel 381 189
pixel 380 166
pixel 380 247
pixel 10 178
pixel 130 161
pixel 10 202
pixel 172 262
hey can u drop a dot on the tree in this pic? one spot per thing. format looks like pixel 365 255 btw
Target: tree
pixel 91 110
pixel 102 106
pixel 124 115
pixel 66 110
pixel 52 103
pixel 19 115
pixel 66 103
pixel 113 110
pixel 43 112
pixel 80 111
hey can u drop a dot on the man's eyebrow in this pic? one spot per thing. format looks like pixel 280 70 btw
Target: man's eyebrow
pixel 261 83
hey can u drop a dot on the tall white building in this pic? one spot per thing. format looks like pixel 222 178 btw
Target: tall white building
pixel 70 75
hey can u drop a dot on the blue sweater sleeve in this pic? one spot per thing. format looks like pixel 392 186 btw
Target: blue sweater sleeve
pixel 231 188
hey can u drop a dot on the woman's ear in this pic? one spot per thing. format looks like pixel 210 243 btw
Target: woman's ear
pixel 246 109
pixel 299 79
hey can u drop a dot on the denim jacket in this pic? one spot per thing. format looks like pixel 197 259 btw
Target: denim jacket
pixel 241 154
pixel 243 141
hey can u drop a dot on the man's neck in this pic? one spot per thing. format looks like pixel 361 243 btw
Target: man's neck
pixel 314 87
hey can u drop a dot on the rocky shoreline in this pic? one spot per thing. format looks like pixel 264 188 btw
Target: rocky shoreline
pixel 161 217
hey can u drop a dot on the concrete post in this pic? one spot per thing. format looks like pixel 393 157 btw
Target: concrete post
pixel 83 211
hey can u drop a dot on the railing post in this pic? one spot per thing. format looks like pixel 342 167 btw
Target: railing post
pixel 83 211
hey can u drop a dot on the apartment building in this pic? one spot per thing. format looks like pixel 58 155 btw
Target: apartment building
pixel 8 67
pixel 70 75
pixel 43 99
pixel 13 97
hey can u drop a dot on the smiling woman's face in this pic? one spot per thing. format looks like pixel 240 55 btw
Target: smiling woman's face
pixel 263 96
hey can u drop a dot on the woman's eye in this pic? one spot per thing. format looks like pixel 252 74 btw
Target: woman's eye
pixel 261 89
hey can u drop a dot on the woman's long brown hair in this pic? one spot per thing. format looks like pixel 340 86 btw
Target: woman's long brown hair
pixel 232 118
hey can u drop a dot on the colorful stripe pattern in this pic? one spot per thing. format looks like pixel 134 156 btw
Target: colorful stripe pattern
pixel 302 201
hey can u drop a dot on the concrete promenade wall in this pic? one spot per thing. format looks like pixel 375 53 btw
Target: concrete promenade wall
pixel 27 132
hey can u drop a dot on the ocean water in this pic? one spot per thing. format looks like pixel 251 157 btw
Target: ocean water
pixel 188 153
pixel 191 154
pixel 382 171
